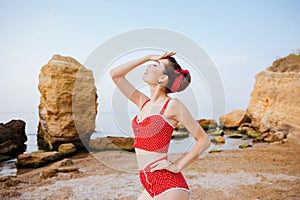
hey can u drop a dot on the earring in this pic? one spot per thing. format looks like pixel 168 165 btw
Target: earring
pixel 159 82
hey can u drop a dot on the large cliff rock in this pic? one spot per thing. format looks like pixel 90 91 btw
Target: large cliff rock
pixel 275 99
pixel 68 103
pixel 12 139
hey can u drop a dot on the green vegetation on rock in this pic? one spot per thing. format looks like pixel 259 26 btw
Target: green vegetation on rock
pixel 244 146
pixel 215 132
pixel 4 158
pixel 253 134
pixel 215 151
pixel 235 135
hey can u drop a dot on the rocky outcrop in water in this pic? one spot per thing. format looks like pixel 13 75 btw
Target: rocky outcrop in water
pixel 275 104
pixel 68 103
pixel 12 139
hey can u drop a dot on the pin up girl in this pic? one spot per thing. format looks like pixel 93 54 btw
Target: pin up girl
pixel 154 125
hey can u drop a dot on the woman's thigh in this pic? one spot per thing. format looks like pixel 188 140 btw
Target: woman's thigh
pixel 175 195
pixel 145 196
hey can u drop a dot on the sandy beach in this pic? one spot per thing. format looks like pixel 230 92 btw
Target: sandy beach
pixel 261 172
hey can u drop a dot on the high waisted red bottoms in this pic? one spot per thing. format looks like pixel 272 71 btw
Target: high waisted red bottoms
pixel 161 181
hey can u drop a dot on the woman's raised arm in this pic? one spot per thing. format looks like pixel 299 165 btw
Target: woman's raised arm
pixel 119 73
pixel 118 76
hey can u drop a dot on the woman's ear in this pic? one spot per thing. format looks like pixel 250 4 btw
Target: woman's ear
pixel 163 79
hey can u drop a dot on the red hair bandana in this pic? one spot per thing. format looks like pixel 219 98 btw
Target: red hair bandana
pixel 176 85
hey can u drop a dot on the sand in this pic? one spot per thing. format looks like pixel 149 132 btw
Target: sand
pixel 261 172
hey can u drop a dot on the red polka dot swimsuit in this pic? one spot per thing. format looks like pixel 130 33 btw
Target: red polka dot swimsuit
pixel 154 134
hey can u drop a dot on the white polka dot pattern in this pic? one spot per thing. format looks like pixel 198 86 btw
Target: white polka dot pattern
pixel 153 133
pixel 158 182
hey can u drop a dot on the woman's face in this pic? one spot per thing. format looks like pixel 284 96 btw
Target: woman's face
pixel 155 71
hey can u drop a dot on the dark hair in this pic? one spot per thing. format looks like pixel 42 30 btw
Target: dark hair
pixel 170 72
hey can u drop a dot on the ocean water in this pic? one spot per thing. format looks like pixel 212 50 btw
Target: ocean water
pixel 107 124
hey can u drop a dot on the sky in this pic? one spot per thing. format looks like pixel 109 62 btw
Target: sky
pixel 242 38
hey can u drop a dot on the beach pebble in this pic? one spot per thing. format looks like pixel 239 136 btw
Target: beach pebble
pixel 67 169
pixel 244 146
pixel 235 135
pixel 48 173
pixel 63 163
pixel 67 149
pixel 218 140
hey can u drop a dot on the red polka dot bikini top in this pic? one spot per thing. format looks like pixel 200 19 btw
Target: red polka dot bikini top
pixel 154 132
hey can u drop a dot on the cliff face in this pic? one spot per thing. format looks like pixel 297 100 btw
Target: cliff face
pixel 275 99
pixel 68 103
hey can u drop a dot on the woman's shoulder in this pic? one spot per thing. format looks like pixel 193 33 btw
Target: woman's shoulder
pixel 175 103
pixel 174 100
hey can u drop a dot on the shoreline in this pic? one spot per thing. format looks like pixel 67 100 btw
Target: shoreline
pixel 260 172
pixel 178 146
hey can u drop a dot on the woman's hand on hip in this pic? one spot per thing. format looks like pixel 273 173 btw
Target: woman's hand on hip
pixel 164 164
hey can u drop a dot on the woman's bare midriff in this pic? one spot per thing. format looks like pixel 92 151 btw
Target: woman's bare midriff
pixel 144 158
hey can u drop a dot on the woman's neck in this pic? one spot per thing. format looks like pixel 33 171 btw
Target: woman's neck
pixel 158 93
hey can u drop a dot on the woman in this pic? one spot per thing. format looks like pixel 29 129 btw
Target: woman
pixel 154 125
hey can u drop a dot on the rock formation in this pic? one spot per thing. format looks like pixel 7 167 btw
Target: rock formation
pixel 275 99
pixel 64 166
pixel 68 103
pixel 40 158
pixel 208 124
pixel 111 143
pixel 12 138
pixel 218 140
pixel 37 159
pixel 67 149
pixel 234 119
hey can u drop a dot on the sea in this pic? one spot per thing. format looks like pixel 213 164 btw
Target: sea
pixel 107 124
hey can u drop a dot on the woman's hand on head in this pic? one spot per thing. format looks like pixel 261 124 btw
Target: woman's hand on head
pixel 164 164
pixel 158 57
